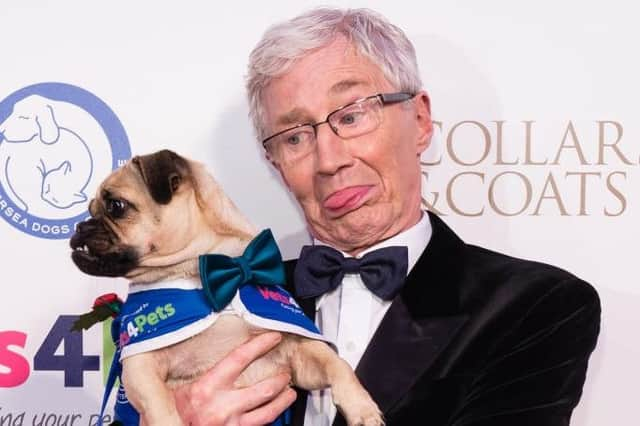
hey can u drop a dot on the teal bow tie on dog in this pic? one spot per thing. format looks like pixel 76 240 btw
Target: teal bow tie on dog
pixel 222 276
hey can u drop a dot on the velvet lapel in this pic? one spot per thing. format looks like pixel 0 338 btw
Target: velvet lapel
pixel 421 322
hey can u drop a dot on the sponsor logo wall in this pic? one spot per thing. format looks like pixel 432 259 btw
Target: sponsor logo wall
pixel 536 154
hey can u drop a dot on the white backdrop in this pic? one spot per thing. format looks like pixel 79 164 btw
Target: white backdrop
pixel 536 155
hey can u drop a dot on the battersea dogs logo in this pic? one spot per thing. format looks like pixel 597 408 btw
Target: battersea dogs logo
pixel 56 142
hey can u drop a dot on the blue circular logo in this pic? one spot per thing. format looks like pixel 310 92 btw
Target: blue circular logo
pixel 57 143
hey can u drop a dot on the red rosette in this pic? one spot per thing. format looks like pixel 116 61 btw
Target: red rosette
pixel 107 299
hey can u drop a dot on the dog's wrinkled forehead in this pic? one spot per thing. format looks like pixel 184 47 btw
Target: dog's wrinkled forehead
pixel 159 175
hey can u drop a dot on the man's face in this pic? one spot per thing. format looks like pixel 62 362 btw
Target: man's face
pixel 359 191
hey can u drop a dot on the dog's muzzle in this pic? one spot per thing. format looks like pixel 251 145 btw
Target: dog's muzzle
pixel 96 250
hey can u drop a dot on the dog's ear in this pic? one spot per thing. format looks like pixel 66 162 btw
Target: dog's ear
pixel 163 173
pixel 49 130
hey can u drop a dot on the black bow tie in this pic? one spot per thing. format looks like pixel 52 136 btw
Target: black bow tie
pixel 320 269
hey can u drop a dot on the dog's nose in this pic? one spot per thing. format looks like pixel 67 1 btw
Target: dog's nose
pixel 86 225
pixel 81 226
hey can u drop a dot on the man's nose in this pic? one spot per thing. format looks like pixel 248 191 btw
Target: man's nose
pixel 331 150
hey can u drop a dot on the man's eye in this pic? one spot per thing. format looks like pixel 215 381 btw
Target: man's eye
pixel 116 208
pixel 294 139
pixel 298 138
pixel 351 118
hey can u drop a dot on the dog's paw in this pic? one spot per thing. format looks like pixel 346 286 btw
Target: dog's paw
pixel 361 411
pixel 368 422
pixel 366 418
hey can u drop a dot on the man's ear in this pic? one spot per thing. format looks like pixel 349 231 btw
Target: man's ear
pixel 163 172
pixel 423 119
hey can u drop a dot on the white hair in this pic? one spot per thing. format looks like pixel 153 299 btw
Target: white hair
pixel 381 42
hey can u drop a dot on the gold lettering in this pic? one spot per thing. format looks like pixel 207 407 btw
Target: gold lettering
pixel 487 143
pixel 527 144
pixel 450 194
pixel 583 188
pixel 492 200
pixel 617 194
pixel 427 204
pixel 602 144
pixel 556 196
pixel 571 130
pixel 499 160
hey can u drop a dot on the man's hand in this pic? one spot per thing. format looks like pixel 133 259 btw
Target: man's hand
pixel 213 400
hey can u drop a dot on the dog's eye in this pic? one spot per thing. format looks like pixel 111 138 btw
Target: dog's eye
pixel 116 207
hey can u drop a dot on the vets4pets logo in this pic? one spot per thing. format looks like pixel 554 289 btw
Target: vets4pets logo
pixel 145 318
pixel 56 142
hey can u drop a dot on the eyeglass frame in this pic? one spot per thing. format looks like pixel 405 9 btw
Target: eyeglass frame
pixel 385 99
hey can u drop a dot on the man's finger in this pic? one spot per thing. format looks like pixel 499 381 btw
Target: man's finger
pixel 261 393
pixel 227 371
pixel 269 412
pixel 228 406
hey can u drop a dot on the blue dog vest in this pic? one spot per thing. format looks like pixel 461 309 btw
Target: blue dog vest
pixel 158 315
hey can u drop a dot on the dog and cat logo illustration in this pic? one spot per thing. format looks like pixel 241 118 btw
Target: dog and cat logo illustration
pixel 56 142
pixel 55 160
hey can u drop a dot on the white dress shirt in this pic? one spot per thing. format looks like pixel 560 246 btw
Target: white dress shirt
pixel 350 314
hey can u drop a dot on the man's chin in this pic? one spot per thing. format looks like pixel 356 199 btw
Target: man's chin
pixel 355 230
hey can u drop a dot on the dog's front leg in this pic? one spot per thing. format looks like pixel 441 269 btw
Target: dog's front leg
pixel 315 366
pixel 144 379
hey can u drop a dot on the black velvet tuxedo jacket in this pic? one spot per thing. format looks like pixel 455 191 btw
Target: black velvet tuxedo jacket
pixel 477 338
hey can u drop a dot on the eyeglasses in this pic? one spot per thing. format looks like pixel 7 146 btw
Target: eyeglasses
pixel 349 121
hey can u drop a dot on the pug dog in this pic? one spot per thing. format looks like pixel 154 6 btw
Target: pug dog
pixel 150 221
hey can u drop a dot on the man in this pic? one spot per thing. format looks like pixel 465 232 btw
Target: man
pixel 466 336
